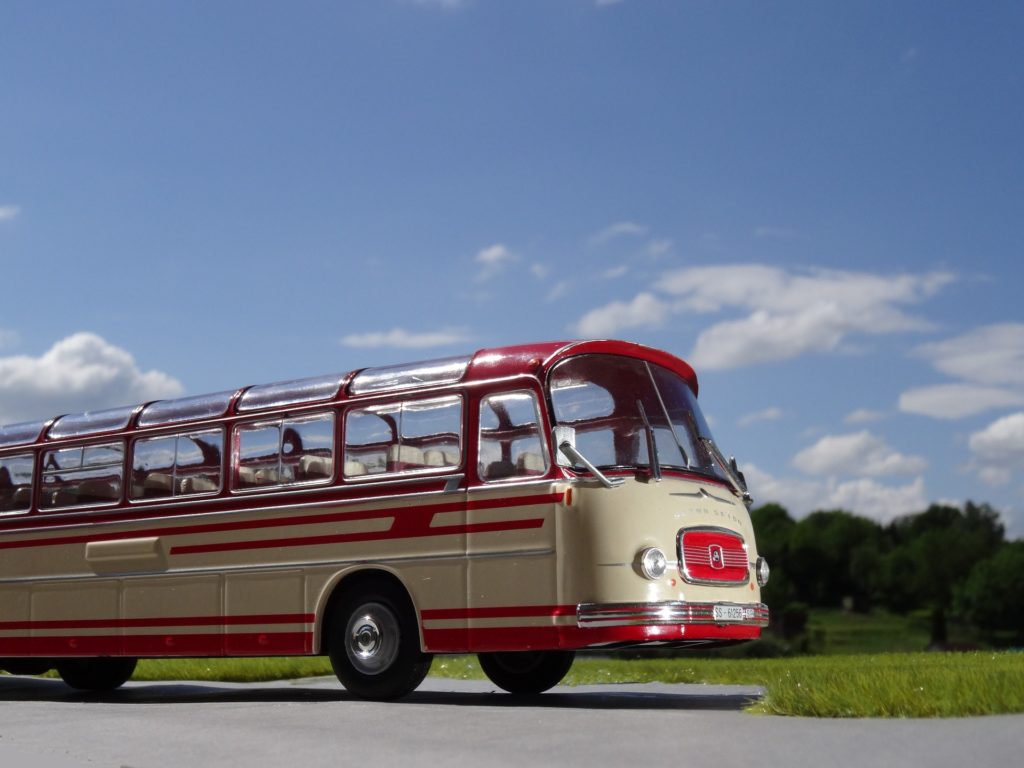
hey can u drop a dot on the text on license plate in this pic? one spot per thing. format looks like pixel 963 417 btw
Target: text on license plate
pixel 728 612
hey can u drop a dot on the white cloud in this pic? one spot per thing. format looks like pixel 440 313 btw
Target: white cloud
pixel 559 290
pixel 9 212
pixel 492 260
pixel 862 496
pixel 618 229
pixel 82 372
pixel 785 314
pixel 991 354
pixel 999 450
pixel 644 311
pixel 615 272
pixel 768 414
pixel 861 454
pixel 540 271
pixel 399 338
pixel 956 401
pixel 658 248
pixel 863 416
pixel 989 364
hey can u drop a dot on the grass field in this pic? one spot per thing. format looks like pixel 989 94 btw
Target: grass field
pixel 875 685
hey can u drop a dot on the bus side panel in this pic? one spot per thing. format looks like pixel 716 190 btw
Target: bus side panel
pixel 511 573
pixel 64 615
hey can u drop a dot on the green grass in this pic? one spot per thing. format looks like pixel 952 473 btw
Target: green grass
pixel 878 685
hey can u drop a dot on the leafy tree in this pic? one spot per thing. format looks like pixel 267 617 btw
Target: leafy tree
pixel 942 544
pixel 991 596
pixel 774 527
pixel 834 555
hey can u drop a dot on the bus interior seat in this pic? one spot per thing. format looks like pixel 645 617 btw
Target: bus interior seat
pixel 354 468
pixel 315 467
pixel 435 457
pixel 499 470
pixel 530 464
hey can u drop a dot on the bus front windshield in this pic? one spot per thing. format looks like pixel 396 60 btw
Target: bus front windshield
pixel 616 404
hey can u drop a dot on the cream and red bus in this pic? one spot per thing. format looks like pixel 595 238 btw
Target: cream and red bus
pixel 521 503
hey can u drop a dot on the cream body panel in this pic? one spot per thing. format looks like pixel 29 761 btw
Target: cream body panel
pixel 604 529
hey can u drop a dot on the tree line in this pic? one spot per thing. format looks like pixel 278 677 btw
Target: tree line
pixel 946 560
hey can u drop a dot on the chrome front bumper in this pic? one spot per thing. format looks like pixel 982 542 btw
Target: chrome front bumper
pixel 671 613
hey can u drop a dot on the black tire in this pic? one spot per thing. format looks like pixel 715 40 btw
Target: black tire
pixel 104 674
pixel 526 672
pixel 375 644
pixel 26 666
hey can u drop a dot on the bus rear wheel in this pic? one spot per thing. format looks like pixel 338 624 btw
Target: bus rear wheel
pixel 526 672
pixel 374 644
pixel 104 674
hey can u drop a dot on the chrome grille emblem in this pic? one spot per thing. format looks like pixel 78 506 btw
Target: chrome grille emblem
pixel 716 556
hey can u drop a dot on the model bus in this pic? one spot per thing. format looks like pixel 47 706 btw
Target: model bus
pixel 520 503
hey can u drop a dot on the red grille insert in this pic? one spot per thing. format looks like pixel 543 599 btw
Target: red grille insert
pixel 713 556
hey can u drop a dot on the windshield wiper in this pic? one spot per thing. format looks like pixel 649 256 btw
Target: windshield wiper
pixel 652 448
pixel 578 458
pixel 732 472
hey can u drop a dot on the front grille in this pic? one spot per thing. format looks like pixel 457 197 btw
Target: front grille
pixel 713 556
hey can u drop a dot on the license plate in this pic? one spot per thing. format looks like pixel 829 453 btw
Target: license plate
pixel 728 612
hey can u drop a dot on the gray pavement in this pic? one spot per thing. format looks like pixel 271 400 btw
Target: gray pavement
pixel 458 723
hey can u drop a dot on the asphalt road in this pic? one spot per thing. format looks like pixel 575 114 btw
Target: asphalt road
pixel 454 723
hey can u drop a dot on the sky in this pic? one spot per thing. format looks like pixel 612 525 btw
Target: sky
pixel 818 205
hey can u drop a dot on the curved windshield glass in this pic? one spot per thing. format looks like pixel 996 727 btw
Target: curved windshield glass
pixel 618 405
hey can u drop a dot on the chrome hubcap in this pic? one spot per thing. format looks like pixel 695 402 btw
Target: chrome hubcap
pixel 372 634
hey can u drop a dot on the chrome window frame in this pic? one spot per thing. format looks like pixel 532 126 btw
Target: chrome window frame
pixel 175 497
pixel 403 473
pixel 44 472
pixel 279 421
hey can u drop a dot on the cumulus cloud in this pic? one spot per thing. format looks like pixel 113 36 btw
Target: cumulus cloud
pixel 9 212
pixel 492 260
pixel 399 338
pixel 991 354
pixel 863 416
pixel 616 230
pixel 989 364
pixel 644 311
pixel 82 372
pixel 862 496
pixel 999 450
pixel 783 314
pixel 957 401
pixel 861 454
pixel 768 414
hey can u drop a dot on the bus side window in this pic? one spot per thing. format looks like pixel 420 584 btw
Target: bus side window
pixel 77 476
pixel 285 452
pixel 418 435
pixel 511 442
pixel 177 465
pixel 16 483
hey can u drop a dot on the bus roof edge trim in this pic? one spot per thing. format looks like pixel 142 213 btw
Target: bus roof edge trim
pixel 446 370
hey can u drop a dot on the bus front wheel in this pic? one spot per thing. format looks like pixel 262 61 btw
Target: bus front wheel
pixel 104 674
pixel 526 672
pixel 374 644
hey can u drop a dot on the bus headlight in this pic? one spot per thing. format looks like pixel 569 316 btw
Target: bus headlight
pixel 653 563
pixel 762 571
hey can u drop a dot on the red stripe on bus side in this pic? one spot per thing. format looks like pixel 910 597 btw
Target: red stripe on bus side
pixel 399 532
pixel 331 517
pixel 156 646
pixel 520 611
pixel 571 638
pixel 162 621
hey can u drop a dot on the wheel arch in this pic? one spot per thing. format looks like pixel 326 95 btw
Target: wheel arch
pixel 346 583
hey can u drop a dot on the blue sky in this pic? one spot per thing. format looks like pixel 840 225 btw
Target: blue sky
pixel 818 205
